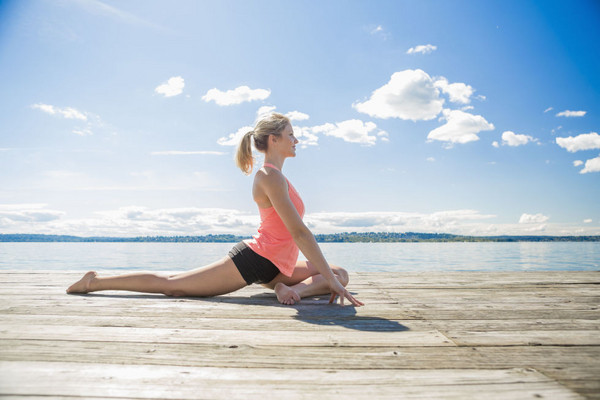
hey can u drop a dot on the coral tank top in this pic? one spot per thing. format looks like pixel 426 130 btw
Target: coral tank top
pixel 274 241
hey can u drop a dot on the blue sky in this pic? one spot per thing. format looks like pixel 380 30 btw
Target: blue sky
pixel 468 117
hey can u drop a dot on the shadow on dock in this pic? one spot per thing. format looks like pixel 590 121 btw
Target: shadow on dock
pixel 312 310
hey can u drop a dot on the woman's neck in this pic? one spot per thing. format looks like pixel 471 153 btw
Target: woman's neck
pixel 275 161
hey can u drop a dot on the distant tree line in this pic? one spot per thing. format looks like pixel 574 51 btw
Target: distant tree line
pixel 346 237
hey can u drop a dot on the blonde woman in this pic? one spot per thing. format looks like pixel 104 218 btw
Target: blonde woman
pixel 270 258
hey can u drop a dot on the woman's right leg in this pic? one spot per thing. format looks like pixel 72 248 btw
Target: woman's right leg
pixel 217 278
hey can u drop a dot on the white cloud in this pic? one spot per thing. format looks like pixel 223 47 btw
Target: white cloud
pixel 587 221
pixel 458 92
pixel 172 87
pixel 185 153
pixel 233 139
pixel 533 219
pixel 67 112
pixel 83 131
pixel 141 221
pixel 264 111
pixel 422 49
pixel 305 137
pixel 380 31
pixel 548 109
pixel 292 115
pixel 577 163
pixel 353 131
pixel 460 127
pixel 377 29
pixel 569 113
pixel 512 139
pixel 586 141
pixel 409 95
pixel 297 116
pixel 383 136
pixel 495 144
pixel 12 214
pixel 431 159
pixel 442 221
pixel 592 165
pixel 235 96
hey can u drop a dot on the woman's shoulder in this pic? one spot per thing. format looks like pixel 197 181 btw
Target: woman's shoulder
pixel 270 178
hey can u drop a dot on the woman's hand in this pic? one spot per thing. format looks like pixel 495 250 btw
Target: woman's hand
pixel 338 290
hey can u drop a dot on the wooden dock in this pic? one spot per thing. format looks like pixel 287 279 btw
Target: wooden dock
pixel 451 335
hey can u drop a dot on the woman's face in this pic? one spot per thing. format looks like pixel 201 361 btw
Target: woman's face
pixel 286 142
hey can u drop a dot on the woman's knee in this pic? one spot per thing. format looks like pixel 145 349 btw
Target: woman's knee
pixel 341 274
pixel 172 288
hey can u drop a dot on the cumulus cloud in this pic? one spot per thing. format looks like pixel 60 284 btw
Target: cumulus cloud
pixel 409 95
pixel 12 214
pixel 442 221
pixel 67 112
pixel 510 138
pixel 264 111
pixel 458 92
pixel 187 153
pixel 577 163
pixel 569 113
pixel 142 221
pixel 233 139
pixel 236 96
pixel 305 136
pixel 587 221
pixel 495 144
pixel 292 115
pixel 172 87
pixel 586 141
pixel 460 127
pixel 548 109
pixel 592 165
pixel 422 49
pixel 297 116
pixel 533 218
pixel 353 131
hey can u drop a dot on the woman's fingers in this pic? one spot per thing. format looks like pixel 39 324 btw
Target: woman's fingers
pixel 346 295
pixel 353 300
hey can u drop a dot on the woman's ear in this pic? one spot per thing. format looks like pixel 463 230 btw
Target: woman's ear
pixel 272 139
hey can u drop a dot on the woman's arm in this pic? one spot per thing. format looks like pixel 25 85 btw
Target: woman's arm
pixel 275 187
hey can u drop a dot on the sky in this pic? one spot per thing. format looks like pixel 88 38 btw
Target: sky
pixel 121 118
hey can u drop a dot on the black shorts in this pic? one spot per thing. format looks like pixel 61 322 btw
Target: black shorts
pixel 253 267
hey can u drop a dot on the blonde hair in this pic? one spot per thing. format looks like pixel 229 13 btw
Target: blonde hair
pixel 273 124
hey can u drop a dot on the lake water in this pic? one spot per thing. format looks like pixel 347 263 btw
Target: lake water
pixel 389 257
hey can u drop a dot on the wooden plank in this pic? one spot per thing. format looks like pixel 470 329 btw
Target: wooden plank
pixel 141 381
pixel 526 338
pixel 582 360
pixel 229 337
pixel 238 324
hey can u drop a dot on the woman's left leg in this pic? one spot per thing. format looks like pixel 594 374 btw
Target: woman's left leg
pixel 217 278
pixel 305 281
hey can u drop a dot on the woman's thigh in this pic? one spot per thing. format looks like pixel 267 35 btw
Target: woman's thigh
pixel 217 278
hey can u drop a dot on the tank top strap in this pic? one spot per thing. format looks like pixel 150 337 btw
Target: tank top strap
pixel 271 165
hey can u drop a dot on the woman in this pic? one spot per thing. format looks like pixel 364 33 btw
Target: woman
pixel 270 258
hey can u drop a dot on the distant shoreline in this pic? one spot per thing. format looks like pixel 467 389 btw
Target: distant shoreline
pixel 346 237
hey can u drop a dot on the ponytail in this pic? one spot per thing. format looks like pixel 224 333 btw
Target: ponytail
pixel 243 157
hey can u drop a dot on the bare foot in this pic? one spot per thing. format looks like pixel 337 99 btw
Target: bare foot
pixel 285 294
pixel 83 285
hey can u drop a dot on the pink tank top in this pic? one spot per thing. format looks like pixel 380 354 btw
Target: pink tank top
pixel 274 241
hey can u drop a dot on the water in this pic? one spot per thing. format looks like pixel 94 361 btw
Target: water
pixel 389 257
